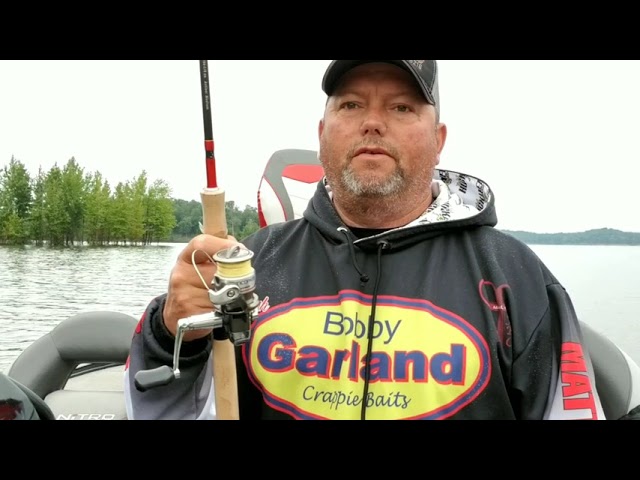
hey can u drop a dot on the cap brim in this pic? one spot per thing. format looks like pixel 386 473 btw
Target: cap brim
pixel 337 68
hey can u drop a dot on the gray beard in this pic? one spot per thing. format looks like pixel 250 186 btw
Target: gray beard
pixel 358 187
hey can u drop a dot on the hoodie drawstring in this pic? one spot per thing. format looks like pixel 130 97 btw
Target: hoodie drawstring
pixel 382 245
pixel 364 278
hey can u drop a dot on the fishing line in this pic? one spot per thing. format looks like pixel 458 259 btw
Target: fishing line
pixel 193 261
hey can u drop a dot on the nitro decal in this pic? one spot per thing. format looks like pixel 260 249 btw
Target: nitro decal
pixel 308 358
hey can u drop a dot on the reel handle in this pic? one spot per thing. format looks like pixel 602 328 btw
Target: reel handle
pixel 156 377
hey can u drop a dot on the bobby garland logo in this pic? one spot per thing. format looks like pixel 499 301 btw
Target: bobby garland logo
pixel 310 359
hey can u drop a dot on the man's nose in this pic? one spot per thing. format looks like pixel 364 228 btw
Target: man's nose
pixel 373 123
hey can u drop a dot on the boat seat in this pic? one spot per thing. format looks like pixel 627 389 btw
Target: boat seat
pixel 616 375
pixel 87 405
pixel 97 341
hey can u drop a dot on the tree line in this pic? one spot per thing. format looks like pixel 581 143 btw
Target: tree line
pixel 67 206
pixel 599 236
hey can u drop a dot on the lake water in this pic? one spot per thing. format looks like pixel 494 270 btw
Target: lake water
pixel 39 287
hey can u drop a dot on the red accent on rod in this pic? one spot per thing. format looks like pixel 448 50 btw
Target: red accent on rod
pixel 212 181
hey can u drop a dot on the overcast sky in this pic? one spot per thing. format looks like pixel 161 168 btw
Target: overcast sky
pixel 558 141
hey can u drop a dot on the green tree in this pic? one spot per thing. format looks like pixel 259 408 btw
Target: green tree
pixel 136 197
pixel 248 228
pixel 56 215
pixel 73 198
pixel 160 217
pixel 15 202
pixel 97 222
pixel 234 218
pixel 118 213
pixel 37 219
pixel 188 217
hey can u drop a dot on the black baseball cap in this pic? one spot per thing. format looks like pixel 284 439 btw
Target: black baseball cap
pixel 425 73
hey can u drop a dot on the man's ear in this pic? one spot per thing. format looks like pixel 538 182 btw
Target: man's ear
pixel 441 135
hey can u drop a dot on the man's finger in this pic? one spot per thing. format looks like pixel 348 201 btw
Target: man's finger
pixel 184 274
pixel 205 247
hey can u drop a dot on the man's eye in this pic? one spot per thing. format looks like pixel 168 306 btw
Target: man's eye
pixel 403 108
pixel 349 105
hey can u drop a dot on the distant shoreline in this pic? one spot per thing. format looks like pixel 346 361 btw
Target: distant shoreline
pixel 596 237
pixel 601 236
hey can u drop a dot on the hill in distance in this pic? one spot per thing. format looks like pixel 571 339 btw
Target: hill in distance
pixel 600 236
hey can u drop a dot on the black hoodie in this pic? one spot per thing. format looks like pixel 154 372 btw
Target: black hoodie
pixel 445 318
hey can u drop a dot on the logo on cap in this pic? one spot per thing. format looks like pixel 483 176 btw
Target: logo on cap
pixel 416 63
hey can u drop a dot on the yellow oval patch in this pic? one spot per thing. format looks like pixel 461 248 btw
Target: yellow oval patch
pixel 309 358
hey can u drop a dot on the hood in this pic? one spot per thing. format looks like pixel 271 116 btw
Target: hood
pixel 460 201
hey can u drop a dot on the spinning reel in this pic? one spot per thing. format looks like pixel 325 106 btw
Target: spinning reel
pixel 235 308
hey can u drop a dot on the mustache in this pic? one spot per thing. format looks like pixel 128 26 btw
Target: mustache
pixel 372 144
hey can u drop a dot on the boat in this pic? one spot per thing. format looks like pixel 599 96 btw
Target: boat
pixel 76 371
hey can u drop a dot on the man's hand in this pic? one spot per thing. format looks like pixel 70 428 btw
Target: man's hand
pixel 187 295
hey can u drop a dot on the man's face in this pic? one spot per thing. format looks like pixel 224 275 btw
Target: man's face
pixel 379 135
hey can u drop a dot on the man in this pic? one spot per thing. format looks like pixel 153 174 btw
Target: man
pixel 393 298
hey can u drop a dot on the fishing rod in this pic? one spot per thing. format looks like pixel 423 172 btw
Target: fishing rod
pixel 212 196
pixel 232 293
pixel 214 223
